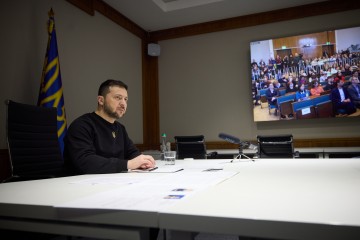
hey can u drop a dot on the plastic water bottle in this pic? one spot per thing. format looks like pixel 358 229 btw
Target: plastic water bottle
pixel 163 146
pixel 168 146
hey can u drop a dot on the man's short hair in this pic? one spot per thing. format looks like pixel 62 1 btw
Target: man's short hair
pixel 105 86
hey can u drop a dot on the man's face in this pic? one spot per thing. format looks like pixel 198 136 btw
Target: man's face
pixel 115 102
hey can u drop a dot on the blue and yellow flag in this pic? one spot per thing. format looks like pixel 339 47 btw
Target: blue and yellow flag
pixel 51 90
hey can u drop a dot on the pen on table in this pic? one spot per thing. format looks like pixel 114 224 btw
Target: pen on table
pixel 152 169
pixel 212 169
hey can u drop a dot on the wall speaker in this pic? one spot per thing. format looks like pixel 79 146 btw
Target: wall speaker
pixel 153 49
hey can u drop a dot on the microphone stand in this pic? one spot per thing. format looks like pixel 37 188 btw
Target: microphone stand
pixel 241 154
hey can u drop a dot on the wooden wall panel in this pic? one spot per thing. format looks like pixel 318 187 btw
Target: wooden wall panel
pixel 150 84
pixel 310 45
pixel 331 36
pixel 301 40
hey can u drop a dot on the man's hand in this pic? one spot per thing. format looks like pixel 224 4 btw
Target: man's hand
pixel 141 161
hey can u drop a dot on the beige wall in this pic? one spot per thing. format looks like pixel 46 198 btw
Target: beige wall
pixel 205 83
pixel 91 50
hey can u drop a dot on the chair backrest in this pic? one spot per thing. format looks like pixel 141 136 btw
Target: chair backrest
pixel 190 147
pixel 282 91
pixel 321 99
pixel 285 98
pixel 279 146
pixel 262 91
pixel 33 142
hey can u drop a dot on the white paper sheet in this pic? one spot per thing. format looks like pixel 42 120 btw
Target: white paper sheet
pixel 153 194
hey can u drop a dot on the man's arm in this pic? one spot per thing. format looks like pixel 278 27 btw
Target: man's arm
pixel 137 160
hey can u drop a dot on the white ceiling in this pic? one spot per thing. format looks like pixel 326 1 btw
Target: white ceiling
pixel 153 15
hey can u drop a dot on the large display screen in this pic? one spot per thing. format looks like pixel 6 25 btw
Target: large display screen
pixel 306 76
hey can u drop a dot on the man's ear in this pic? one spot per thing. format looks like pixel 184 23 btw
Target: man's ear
pixel 100 100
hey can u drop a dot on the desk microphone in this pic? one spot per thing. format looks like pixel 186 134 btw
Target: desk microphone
pixel 229 138
pixel 236 140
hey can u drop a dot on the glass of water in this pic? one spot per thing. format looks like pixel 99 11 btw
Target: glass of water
pixel 170 157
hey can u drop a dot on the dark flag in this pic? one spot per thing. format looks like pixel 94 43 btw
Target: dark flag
pixel 51 90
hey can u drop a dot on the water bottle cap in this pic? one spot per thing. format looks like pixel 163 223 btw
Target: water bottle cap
pixel 164 134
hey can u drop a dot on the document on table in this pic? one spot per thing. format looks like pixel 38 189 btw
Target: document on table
pixel 153 194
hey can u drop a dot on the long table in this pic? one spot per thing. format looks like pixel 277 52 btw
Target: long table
pixel 270 198
pixel 29 206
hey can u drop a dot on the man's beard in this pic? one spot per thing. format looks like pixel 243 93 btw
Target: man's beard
pixel 109 112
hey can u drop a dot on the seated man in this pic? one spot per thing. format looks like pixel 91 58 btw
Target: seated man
pixel 271 94
pixel 97 143
pixel 340 99
pixel 354 91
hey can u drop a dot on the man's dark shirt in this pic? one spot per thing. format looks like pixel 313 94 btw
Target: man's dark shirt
pixel 94 145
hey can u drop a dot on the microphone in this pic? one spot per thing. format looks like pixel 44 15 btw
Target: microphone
pixel 229 138
pixel 236 140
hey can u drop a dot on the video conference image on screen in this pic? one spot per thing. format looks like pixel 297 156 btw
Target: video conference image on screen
pixel 311 76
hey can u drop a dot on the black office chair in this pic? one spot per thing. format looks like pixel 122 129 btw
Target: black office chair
pixel 32 142
pixel 278 146
pixel 190 147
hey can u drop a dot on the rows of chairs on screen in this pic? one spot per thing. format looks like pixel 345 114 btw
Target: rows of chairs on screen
pixel 310 96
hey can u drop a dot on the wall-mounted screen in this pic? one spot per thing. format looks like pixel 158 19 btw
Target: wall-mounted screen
pixel 306 76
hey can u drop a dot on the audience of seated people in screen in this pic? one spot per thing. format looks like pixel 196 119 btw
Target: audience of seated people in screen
pixel 336 75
